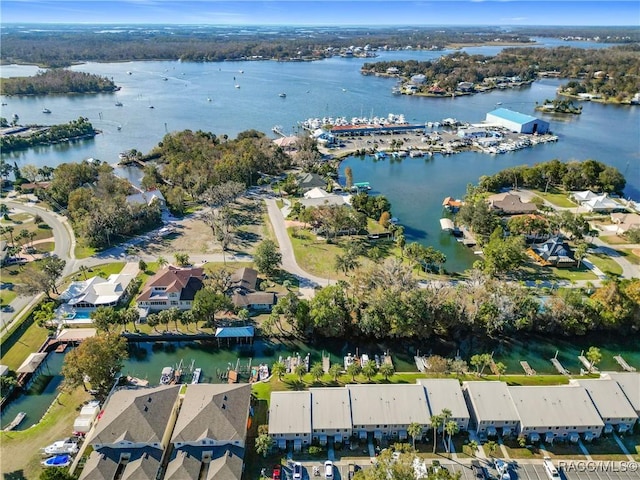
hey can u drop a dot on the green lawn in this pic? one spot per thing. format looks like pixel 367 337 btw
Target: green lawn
pixel 533 271
pixel 315 256
pixel 605 263
pixel 632 257
pixel 7 296
pixel 614 240
pixel 17 347
pixel 556 197
pixel 605 448
pixel 83 251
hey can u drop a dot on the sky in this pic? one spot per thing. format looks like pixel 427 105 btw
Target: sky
pixel 327 12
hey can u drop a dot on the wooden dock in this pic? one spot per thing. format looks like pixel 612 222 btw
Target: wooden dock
pixel 559 367
pixel 16 421
pixel 623 363
pixel 527 368
pixel 61 348
pixel 587 364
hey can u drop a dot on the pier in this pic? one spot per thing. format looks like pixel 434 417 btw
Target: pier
pixel 527 368
pixel 556 363
pixel 326 362
pixel 587 364
pixel 623 363
pixel 16 421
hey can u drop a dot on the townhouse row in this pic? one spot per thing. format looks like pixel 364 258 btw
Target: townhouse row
pixel 583 408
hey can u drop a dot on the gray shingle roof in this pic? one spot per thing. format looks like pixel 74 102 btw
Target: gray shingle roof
pixel 215 412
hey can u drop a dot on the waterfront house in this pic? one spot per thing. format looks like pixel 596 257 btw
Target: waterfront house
pixel 555 252
pixel 446 393
pixel 290 419
pixel 138 464
pixel 580 197
pixel 328 200
pixel 611 403
pixel 625 222
pixel 517 122
pixel 96 292
pixel 263 301
pixel 147 198
pixel 491 408
pixel 171 287
pixel 307 181
pixel 601 203
pixel 555 412
pixel 386 411
pixel 510 204
pixel 244 280
pixel 330 414
pixel 629 383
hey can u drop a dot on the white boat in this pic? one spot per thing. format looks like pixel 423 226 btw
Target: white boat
pixel 282 95
pixel 119 127
pixel 196 376
pixel 61 447
pixel 46 110
pixel 129 73
pixel 237 86
pixel 118 104
pixel 208 99
pixel 550 469
pixel 165 78
pixel 151 106
pixel 348 360
pixel 166 375
pixel 364 359
pixel 57 461
pixel 263 372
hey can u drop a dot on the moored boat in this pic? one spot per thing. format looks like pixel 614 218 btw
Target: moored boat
pixel 118 104
pixel 46 110
pixel 196 376
pixel 282 95
pixel 166 375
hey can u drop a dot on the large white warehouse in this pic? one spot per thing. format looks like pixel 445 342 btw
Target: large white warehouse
pixel 516 121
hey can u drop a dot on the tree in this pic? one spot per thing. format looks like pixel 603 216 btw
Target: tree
pixel 335 370
pixel 207 303
pixel 369 370
pixel 99 359
pixel 267 257
pixel 480 361
pixel 414 430
pixel 153 320
pixel 503 254
pixel 354 370
pixel 492 447
pixel 445 414
pixel 451 427
pixel 142 265
pixel 581 252
pixel 162 262
pixel 300 370
pixel 594 356
pixel 104 318
pixel 278 369
pixel 186 318
pixel 387 370
pixel 436 422
pixel 44 314
pixel 182 259
pixel 263 444
pixel 317 372
pixel 501 368
pixel 473 446
pixel 385 219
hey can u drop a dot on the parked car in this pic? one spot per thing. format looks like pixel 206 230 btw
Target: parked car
pixel 352 470
pixel 328 469
pixel 7 309
pixel 297 471
pixel 277 472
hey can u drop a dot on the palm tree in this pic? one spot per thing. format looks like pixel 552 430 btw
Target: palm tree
pixel 436 423
pixel 9 229
pixel 446 415
pixel 317 371
pixel 369 370
pixel 153 320
pixel 301 369
pixel 473 446
pixel 414 430
pixel 451 427
pixel 162 262
pixel 83 270
pixel 335 371
pixel 186 318
pixel 4 211
pixel 354 370
pixel 279 369
pixel 387 370
pixel 492 447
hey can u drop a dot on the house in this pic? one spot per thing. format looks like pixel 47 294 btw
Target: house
pixel 465 86
pixel 516 121
pixel 224 465
pixel 308 181
pixel 625 222
pixel 254 300
pixel 333 200
pixel 387 410
pixel 290 418
pixel 601 203
pixel 330 414
pixel 554 251
pixel 491 408
pixel 446 393
pixel 244 279
pixel 510 204
pixel 137 418
pixel 612 405
pixel 147 198
pixel 171 287
pixel 583 196
pixel 97 291
pixel 559 411
pixel 139 464
pixel 629 383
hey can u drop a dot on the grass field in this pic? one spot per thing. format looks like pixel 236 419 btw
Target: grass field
pixel 536 272
pixel 83 251
pixel 605 263
pixel 7 296
pixel 315 256
pixel 17 347
pixel 556 197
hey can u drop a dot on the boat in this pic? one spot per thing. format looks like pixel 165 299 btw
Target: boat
pixel 165 78
pixel 166 375
pixel 263 372
pixel 61 447
pixel 208 99
pixel 241 71
pixel 119 127
pixel 129 73
pixel 348 360
pixel 46 110
pixel 196 376
pixel 237 86
pixel 151 106
pixel 282 95
pixel 57 461
pixel 61 347
pixel 16 117
pixel 118 104
pixel 550 469
pixel 16 421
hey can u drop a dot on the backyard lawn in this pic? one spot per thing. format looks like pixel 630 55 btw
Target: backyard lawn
pixel 605 263
pixel 555 197
pixel 17 347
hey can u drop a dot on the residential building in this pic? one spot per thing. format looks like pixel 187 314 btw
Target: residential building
pixel 308 181
pixel 171 287
pixel 629 383
pixel 147 198
pixel 446 393
pixel 601 203
pixel 225 466
pixel 97 291
pixel 555 252
pixel 244 279
pixel 625 222
pixel 491 408
pixel 510 204
pixel 559 411
pixel 137 464
pixel 387 410
pixel 580 197
pixel 290 418
pixel 329 200
pixel 243 291
pixel 330 414
pixel 516 121
pixel 612 404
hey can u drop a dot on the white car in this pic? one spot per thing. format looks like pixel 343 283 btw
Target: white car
pixel 328 469
pixel 297 471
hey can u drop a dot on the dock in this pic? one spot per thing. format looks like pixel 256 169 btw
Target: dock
pixel 387 359
pixel 61 348
pixel 527 368
pixel 467 239
pixel 422 363
pixel 556 363
pixel 587 364
pixel 326 362
pixel 623 363
pixel 16 421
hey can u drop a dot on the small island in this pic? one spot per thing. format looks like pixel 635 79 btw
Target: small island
pixel 559 106
pixel 18 137
pixel 57 81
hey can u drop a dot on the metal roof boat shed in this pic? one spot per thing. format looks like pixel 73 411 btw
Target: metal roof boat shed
pixel 235 332
pixel 516 121
pixel 32 362
pixel 556 411
pixel 491 407
pixel 611 402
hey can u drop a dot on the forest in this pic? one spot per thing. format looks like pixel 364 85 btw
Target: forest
pixel 56 81
pixel 611 72
pixel 75 129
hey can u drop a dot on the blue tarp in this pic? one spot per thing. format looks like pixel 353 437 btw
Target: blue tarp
pixel 235 332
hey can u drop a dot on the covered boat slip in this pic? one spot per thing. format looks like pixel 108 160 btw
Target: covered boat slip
pixel 32 363
pixel 242 334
